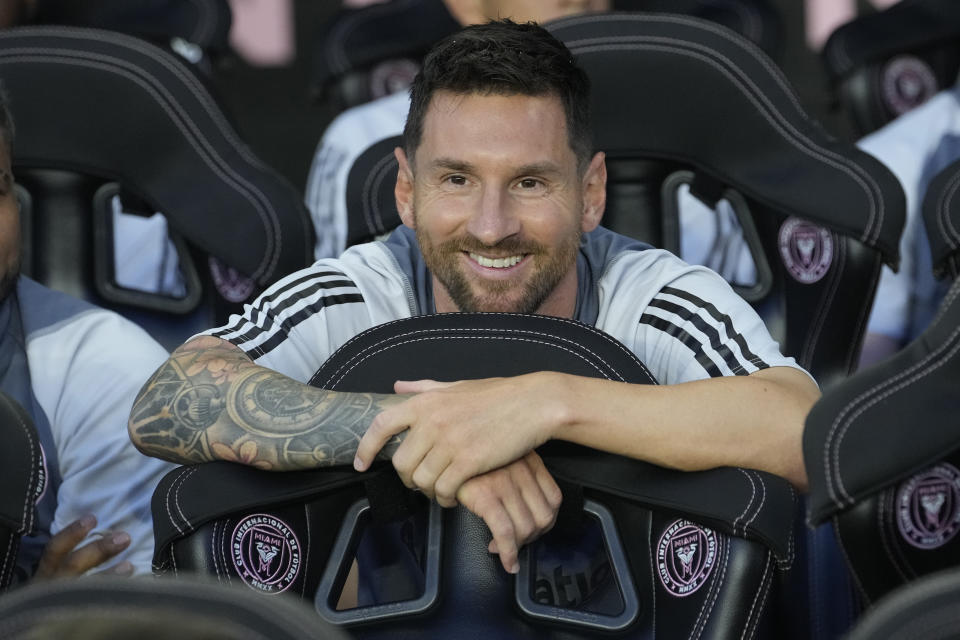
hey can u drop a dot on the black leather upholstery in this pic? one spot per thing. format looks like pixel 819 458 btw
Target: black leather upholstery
pixel 112 607
pixel 883 448
pixel 883 64
pixel 96 108
pixel 924 609
pixel 22 463
pixel 941 217
pixel 744 517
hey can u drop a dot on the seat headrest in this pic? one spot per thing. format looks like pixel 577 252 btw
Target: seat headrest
pixel 116 107
pixel 907 25
pixel 708 98
pixel 886 422
pixel 358 38
pixel 205 23
pixel 114 607
pixel 941 217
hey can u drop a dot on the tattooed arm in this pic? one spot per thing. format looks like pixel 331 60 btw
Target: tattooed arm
pixel 209 401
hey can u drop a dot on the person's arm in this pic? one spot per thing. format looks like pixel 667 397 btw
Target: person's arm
pixel 210 401
pixel 460 430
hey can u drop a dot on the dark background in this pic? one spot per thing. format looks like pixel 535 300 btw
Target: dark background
pixel 277 115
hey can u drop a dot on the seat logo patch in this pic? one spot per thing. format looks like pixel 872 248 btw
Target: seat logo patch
pixel 806 250
pixel 266 553
pixel 686 555
pixel 907 82
pixel 42 477
pixel 927 507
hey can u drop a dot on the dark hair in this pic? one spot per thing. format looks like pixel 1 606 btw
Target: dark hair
pixel 504 58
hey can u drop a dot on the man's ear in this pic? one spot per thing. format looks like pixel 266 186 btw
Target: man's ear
pixel 403 191
pixel 594 193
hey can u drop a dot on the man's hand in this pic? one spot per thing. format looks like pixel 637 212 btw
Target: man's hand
pixel 62 559
pixel 518 502
pixel 462 429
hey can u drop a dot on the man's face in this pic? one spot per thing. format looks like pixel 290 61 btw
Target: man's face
pixel 9 226
pixel 498 204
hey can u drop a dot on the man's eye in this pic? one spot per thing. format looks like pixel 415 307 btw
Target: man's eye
pixel 457 180
pixel 530 183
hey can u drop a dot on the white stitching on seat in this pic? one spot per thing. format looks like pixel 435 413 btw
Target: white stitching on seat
pixel 371 186
pixel 786 129
pixel 606 337
pixel 912 375
pixel 763 499
pixel 27 513
pixel 263 205
pixel 174 488
pixel 826 303
pixel 753 493
pixel 943 211
pixel 716 586
pixel 750 622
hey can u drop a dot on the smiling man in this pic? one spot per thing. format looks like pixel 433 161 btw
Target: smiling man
pixel 501 195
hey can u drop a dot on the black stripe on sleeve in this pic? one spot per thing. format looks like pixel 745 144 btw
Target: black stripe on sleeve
pixel 688 341
pixel 279 300
pixel 732 333
pixel 688 315
pixel 291 322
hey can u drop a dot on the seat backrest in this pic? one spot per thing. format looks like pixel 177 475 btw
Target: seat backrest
pixel 196 30
pixel 108 122
pixel 941 218
pixel 673 554
pixel 882 449
pixel 115 607
pixel 926 609
pixel 883 64
pixel 22 462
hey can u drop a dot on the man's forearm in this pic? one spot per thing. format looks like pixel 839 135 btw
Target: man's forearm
pixel 209 401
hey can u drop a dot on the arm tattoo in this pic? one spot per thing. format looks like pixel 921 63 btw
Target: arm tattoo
pixel 211 402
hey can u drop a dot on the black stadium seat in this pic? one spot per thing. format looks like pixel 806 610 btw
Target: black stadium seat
pixel 22 462
pixel 103 118
pixel 686 554
pixel 884 64
pixel 111 607
pixel 883 449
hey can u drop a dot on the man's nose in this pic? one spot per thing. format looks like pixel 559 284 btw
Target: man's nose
pixel 494 218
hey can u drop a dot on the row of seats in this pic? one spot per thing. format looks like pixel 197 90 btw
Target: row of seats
pixel 856 212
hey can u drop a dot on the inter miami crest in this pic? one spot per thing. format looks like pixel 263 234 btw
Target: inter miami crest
pixel 806 250
pixel 266 553
pixel 686 555
pixel 928 507
pixel 907 82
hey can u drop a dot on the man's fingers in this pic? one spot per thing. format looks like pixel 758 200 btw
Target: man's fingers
pixel 424 476
pixel 62 544
pixel 386 425
pixel 94 553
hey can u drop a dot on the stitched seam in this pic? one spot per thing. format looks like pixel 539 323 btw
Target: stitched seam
pixel 747 46
pixel 947 301
pixel 592 330
pixel 410 341
pixel 170 491
pixel 882 530
pixel 715 591
pixel 753 493
pixel 829 470
pixel 763 499
pixel 826 303
pixel 27 517
pixel 747 632
pixel 7 567
pixel 785 128
pixel 790 539
pixel 940 361
pixel 943 210
pixel 191 132
pixel 371 186
pixel 553 319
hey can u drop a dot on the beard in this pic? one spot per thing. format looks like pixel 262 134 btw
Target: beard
pixel 472 294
